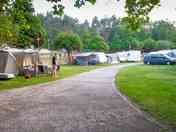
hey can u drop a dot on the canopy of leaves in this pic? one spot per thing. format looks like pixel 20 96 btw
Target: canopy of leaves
pixel 164 44
pixel 114 31
pixel 149 44
pixel 68 41
pixel 137 10
pixel 97 43
pixel 29 27
pixel 7 31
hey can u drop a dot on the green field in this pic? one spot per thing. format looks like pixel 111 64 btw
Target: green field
pixel 66 71
pixel 153 88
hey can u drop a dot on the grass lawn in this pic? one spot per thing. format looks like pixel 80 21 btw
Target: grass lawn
pixel 66 71
pixel 153 88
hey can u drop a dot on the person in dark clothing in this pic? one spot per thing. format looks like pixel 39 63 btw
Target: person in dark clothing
pixel 54 65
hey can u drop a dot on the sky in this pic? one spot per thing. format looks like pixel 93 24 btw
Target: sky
pixel 107 8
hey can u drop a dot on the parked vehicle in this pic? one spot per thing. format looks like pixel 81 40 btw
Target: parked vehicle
pixel 159 58
pixel 91 58
pixel 130 56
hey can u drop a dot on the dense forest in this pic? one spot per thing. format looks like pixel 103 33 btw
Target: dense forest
pixel 114 33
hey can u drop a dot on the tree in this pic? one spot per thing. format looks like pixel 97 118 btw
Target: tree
pixel 137 10
pixel 149 44
pixel 29 27
pixel 96 23
pixel 97 43
pixel 7 30
pixel 135 43
pixel 68 41
pixel 4 4
pixel 163 30
pixel 164 44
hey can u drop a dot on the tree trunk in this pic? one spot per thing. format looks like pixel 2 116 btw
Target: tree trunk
pixel 70 57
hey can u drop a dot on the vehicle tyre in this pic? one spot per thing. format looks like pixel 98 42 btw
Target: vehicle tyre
pixel 148 63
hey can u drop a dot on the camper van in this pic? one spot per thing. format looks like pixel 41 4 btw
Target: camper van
pixel 160 57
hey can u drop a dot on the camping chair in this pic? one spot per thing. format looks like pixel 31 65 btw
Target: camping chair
pixel 28 72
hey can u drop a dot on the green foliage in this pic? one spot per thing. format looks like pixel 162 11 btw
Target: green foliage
pixel 68 41
pixel 163 30
pixel 114 31
pixel 164 44
pixel 4 6
pixel 7 31
pixel 149 44
pixel 97 43
pixel 29 27
pixel 137 10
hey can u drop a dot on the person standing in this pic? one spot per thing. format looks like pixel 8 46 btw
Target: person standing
pixel 54 65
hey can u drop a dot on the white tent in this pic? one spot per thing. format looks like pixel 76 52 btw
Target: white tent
pixel 134 55
pixel 123 56
pixel 22 57
pixel 45 57
pixel 112 58
pixel 8 63
pixel 85 58
pixel 131 56
pixel 101 57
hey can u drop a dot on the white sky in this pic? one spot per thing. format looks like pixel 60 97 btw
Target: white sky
pixel 107 8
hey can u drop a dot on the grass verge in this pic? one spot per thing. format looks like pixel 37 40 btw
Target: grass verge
pixel 153 88
pixel 66 71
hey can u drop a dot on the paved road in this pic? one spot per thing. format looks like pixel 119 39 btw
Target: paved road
pixel 87 102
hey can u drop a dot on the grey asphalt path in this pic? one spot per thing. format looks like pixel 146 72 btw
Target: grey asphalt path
pixel 88 102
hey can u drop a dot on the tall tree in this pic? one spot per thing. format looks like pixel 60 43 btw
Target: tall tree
pixel 7 30
pixel 149 44
pixel 97 43
pixel 96 24
pixel 28 26
pixel 137 10
pixel 68 41
pixel 163 30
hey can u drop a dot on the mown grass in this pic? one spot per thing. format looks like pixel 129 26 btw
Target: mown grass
pixel 153 88
pixel 66 71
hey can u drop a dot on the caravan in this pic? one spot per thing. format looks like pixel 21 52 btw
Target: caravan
pixel 130 56
pixel 112 58
pixel 134 56
pixel 90 58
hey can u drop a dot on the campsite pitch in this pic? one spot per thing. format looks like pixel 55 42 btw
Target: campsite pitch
pixel 66 71
pixel 88 102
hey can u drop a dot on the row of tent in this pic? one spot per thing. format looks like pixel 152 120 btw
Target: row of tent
pixel 125 56
pixel 13 60
pixel 113 58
